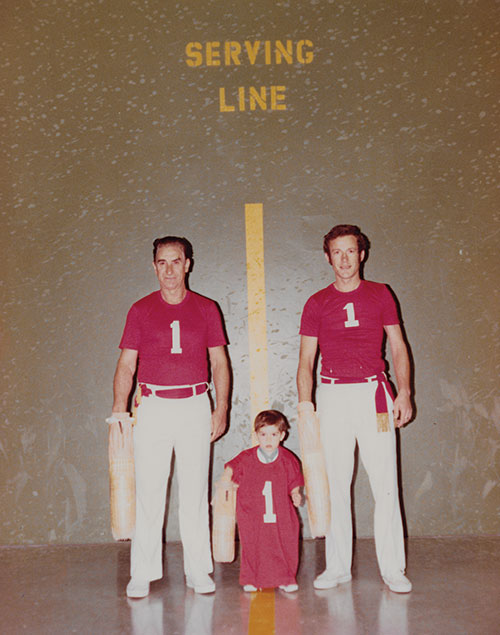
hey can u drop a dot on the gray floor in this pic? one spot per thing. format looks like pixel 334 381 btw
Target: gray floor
pixel 80 589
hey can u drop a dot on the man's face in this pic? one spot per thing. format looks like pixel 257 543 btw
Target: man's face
pixel 269 438
pixel 345 258
pixel 171 266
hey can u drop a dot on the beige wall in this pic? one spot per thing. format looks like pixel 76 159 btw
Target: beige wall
pixel 112 139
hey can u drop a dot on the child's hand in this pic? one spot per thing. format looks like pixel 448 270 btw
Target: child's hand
pixel 296 497
pixel 225 480
pixel 224 487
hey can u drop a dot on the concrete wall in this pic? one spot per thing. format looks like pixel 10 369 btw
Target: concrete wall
pixel 112 138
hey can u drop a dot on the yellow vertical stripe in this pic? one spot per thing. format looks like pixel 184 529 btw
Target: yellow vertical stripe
pixel 257 335
pixel 261 619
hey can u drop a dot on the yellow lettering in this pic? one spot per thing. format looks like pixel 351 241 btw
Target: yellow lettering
pixel 281 52
pixel 277 95
pixel 309 55
pixel 252 50
pixel 232 52
pixel 257 97
pixel 223 107
pixel 254 97
pixel 195 58
pixel 238 53
pixel 213 53
pixel 267 51
pixel 241 97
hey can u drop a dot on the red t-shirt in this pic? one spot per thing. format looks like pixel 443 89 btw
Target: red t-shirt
pixel 268 524
pixel 350 328
pixel 172 339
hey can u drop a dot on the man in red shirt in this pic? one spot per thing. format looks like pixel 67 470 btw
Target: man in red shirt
pixel 170 338
pixel 347 321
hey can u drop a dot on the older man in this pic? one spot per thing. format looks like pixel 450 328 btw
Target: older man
pixel 169 336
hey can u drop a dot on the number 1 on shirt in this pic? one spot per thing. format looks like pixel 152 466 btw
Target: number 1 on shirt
pixel 176 337
pixel 351 320
pixel 269 516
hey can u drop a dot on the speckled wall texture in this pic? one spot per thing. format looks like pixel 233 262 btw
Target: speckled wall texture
pixel 122 121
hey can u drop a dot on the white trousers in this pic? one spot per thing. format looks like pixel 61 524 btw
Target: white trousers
pixel 347 415
pixel 163 426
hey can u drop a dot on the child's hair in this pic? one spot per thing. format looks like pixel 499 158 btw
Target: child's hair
pixel 271 418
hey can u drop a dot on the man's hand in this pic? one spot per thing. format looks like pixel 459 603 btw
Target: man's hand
pixel 219 423
pixel 402 409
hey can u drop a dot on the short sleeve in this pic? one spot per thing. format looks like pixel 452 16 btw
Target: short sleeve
pixel 215 329
pixel 309 323
pixel 294 473
pixel 389 309
pixel 131 337
pixel 236 465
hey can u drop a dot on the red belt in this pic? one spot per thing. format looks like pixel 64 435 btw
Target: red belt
pixel 380 396
pixel 182 392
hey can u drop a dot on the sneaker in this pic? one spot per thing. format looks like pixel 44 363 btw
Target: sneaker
pixel 289 588
pixel 250 588
pixel 201 584
pixel 328 579
pixel 137 588
pixel 398 582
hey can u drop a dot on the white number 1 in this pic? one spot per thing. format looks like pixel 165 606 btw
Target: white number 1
pixel 269 516
pixel 176 337
pixel 351 320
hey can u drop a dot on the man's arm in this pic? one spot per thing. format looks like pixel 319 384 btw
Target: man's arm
pixel 123 380
pixel 307 356
pixel 401 362
pixel 220 376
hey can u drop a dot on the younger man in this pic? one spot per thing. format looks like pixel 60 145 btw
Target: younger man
pixel 269 479
pixel 347 321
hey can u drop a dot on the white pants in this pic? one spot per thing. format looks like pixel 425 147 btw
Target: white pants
pixel 347 414
pixel 163 425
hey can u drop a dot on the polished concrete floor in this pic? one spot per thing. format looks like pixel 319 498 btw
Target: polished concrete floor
pixel 81 589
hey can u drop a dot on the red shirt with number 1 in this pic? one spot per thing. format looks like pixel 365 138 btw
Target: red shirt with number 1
pixel 172 339
pixel 268 524
pixel 350 328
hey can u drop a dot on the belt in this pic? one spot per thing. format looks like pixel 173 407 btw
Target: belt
pixel 380 395
pixel 349 380
pixel 173 392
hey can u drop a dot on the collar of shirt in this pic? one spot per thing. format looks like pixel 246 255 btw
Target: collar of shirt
pixel 267 458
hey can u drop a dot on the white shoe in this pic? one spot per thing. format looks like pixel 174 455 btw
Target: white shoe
pixel 328 579
pixel 201 584
pixel 398 583
pixel 137 588
pixel 289 588
pixel 250 588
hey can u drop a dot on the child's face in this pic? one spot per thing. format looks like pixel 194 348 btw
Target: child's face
pixel 269 437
